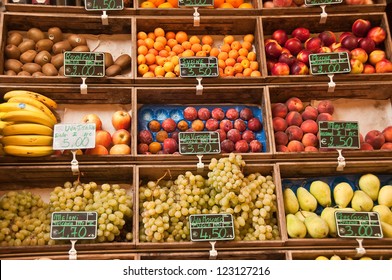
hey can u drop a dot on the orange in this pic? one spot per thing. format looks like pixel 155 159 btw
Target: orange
pixel 246 6
pixel 142 69
pixel 229 71
pixel 142 35
pixel 228 39
pixel 170 35
pixel 238 75
pixel 225 48
pixel 171 53
pixel 171 43
pixel 247 72
pixel 151 35
pixel 147 4
pixel 252 56
pixel 159 32
pixel 254 65
pixel 226 6
pixel 201 53
pixel 233 54
pixel 160 60
pixel 166 5
pixel 247 45
pixel 154 147
pixel 152 67
pixel 214 52
pixel 241 58
pixel 159 71
pixel 255 74
pixel 149 42
pixel 174 3
pixel 141 59
pixel 230 61
pixel 153 51
pixel 221 63
pixel 168 66
pixel 245 63
pixel 194 40
pixel 249 38
pixel 175 59
pixel 159 46
pixel 187 45
pixel 170 75
pixel 235 3
pixel 163 53
pixel 181 37
pixel 206 48
pixel 243 52
pixel 149 74
pixel 238 68
pixel 150 58
pixel 196 47
pixel 217 3
pixel 207 40
pixel 141 42
pixel 167 48
pixel 157 2
pixel 178 49
pixel 161 39
pixel 188 53
pixel 177 70
pixel 142 50
pixel 221 73
pixel 223 55
pixel 236 45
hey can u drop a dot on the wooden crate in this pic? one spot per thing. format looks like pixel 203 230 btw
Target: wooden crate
pixel 372 91
pixel 211 96
pixel 336 23
pixel 42 180
pixel 147 173
pixel 69 24
pixel 69 96
pixel 375 254
pixel 216 27
pixel 323 171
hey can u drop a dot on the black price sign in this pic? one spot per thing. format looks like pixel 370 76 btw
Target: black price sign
pixel 358 224
pixel 73 225
pixel 322 2
pixel 203 142
pixel 84 64
pixel 329 63
pixel 103 5
pixel 74 136
pixel 208 227
pixel 199 67
pixel 195 3
pixel 343 135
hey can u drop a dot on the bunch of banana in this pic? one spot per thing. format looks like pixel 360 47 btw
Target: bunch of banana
pixel 26 124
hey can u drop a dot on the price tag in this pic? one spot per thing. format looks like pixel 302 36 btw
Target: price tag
pixel 84 64
pixel 200 142
pixel 329 63
pixel 209 227
pixel 195 3
pixel 340 135
pixel 199 67
pixel 74 136
pixel 103 5
pixel 322 2
pixel 358 224
pixel 73 225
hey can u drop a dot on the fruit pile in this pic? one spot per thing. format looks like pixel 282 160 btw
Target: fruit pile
pixel 27 122
pixel 288 54
pixel 377 140
pixel 159 53
pixel 301 3
pixel 165 205
pixel 223 4
pixel 239 128
pixel 41 53
pixel 310 209
pixel 25 217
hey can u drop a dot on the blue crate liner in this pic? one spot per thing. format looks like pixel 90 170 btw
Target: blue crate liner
pixel 332 181
pixel 147 113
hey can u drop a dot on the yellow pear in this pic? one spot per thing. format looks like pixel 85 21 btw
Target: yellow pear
pixel 335 258
pixel 385 196
pixel 316 227
pixel 384 212
pixel 291 204
pixel 295 227
pixel 370 184
pixel 342 194
pixel 322 192
pixel 302 214
pixel 321 258
pixel 386 229
pixel 306 200
pixel 366 259
pixel 328 215
pixel 361 201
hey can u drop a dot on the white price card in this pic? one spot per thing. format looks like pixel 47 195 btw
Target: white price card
pixel 74 136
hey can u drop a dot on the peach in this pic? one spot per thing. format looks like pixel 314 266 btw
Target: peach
pixel 325 106
pixel 361 27
pixel 240 125
pixel 294 133
pixel 190 113
pixel 377 34
pixel 198 125
pixel 303 56
pixel 212 124
pixel 226 125
pixel 241 146
pixel 361 139
pixel 366 147
pixel 313 44
pixel 295 146
pixel 360 54
pixel 311 149
pixel 280 69
pixel 294 104
pixel 218 114
pixel 103 137
pixel 142 148
pixel 327 37
pixel 282 148
pixel 386 146
pixel 301 33
pixel 282 3
pixel 299 68
pixel 324 117
pixel 169 124
pixel 154 125
pixel 232 114
pixel 248 136
pixel 375 138
pixel 309 126
pixel 279 36
pixel 203 114
pixel 281 138
pixel 246 114
pixel 376 56
pixel 255 146
pixel 279 124
pixel 97 150
pixel 170 145
pixel 356 66
pixel 368 69
pixel 309 139
pixel 273 49
pixel 227 146
pixel 294 46
pixel 310 113
pixel 387 132
pixel 384 66
pixel 145 136
pixel 279 110
pixel 120 149
pixel 222 134
pixel 293 118
pixel 254 124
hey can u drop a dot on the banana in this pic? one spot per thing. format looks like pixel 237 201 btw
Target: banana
pixel 4 125
pixel 28 151
pixel 2 114
pixel 34 102
pixel 27 140
pixel 29 117
pixel 17 106
pixel 2 150
pixel 44 99
pixel 27 128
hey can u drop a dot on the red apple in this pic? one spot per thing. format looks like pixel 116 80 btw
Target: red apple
pixel 361 27
pixel 384 66
pixel 273 49
pixel 280 69
pixel 280 36
pixel 313 44
pixel 303 56
pixel 367 44
pixel 255 124
pixel 120 149
pixel 376 56
pixel 301 33
pixel 299 68
pixel 360 54
pixel 349 42
pixel 218 114
pixel 121 136
pixel 121 120
pixel 294 45
pixel 93 118
pixel 377 34
pixel 327 38
pixel 103 137
pixel 246 114
pixel 227 146
pixel 142 148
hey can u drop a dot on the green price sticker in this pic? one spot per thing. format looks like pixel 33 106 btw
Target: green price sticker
pixel 209 227
pixel 340 135
pixel 322 2
pixel 329 63
pixel 199 67
pixel 84 64
pixel 195 3
pixel 103 5
pixel 358 224
pixel 74 136
pixel 73 225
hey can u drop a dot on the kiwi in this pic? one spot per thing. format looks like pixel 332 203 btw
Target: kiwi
pixel 124 61
pixel 55 34
pixel 28 56
pixel 44 45
pixel 81 49
pixel 43 57
pixel 61 47
pixel 38 74
pixel 61 71
pixel 24 73
pixel 76 40
pixel 15 38
pixel 113 70
pixel 10 73
pixel 26 45
pixel 108 60
pixel 57 60
pixel 13 64
pixel 11 51
pixel 49 70
pixel 35 34
pixel 31 67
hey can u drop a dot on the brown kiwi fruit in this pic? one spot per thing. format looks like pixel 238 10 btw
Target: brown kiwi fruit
pixel 10 73
pixel 49 70
pixel 15 38
pixel 61 71
pixel 61 47
pixel 55 34
pixel 35 34
pixel 28 56
pixel 108 60
pixel 24 73
pixel 11 51
pixel 31 67
pixel 26 45
pixel 43 57
pixel 38 74
pixel 83 48
pixel 57 60
pixel 113 70
pixel 76 40
pixel 44 45
pixel 13 64
pixel 124 61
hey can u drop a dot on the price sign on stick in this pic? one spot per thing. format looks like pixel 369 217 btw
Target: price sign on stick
pixel 195 3
pixel 322 2
pixel 201 142
pixel 199 67
pixel 104 5
pixel 340 135
pixel 329 63
pixel 358 224
pixel 209 227
pixel 73 225
pixel 74 136
pixel 84 64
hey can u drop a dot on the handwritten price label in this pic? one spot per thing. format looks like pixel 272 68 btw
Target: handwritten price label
pixel 206 227
pixel 103 5
pixel 199 67
pixel 73 225
pixel 84 64
pixel 192 143
pixel 343 135
pixel 74 136
pixel 358 224
pixel 195 3
pixel 322 2
pixel 329 63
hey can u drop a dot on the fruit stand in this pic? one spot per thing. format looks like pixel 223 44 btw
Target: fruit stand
pixel 155 160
